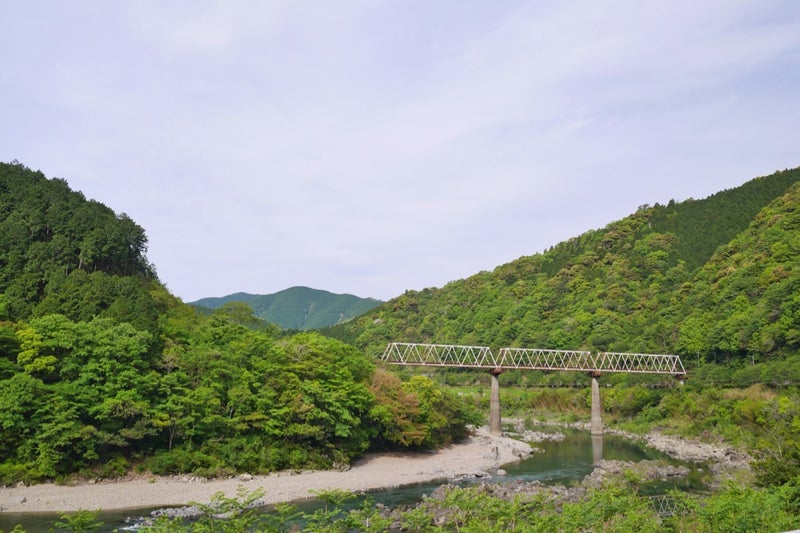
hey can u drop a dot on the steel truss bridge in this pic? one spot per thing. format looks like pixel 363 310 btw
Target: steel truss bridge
pixel 454 356
pixel 482 357
pixel 667 506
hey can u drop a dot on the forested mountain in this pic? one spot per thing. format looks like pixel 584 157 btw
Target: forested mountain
pixel 715 278
pixel 298 308
pixel 62 253
pixel 103 370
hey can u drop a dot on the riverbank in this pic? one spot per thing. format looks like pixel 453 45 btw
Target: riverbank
pixel 478 455
pixel 725 462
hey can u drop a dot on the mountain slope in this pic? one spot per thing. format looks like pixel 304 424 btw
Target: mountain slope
pixel 639 284
pixel 61 253
pixel 746 298
pixel 299 308
pixel 103 370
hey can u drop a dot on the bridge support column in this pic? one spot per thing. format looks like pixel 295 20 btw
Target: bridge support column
pixel 597 449
pixel 597 407
pixel 495 427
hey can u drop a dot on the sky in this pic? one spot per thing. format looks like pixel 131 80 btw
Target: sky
pixel 373 147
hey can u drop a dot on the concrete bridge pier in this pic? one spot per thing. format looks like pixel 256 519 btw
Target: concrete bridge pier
pixel 597 449
pixel 494 403
pixel 597 407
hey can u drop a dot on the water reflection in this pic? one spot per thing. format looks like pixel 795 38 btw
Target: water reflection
pixel 571 459
pixel 597 448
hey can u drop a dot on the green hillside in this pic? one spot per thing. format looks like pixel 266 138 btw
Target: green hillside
pixel 62 253
pixel 103 371
pixel 298 308
pixel 715 278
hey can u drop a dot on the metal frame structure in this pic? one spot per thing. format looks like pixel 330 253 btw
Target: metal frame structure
pixel 406 353
pixel 456 356
pixel 665 505
pixel 448 355
pixel 640 363
pixel 540 359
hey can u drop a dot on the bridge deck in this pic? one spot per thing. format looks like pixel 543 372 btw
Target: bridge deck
pixel 455 356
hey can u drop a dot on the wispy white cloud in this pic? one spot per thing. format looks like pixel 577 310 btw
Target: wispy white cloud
pixel 375 147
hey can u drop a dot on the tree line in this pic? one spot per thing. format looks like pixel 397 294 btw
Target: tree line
pixel 94 398
pixel 713 279
pixel 102 370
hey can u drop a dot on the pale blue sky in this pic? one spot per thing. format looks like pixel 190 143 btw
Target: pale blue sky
pixel 371 147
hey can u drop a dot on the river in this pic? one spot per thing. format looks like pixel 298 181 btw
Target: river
pixel 560 462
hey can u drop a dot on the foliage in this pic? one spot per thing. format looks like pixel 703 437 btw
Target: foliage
pixel 329 517
pixel 744 509
pixel 715 279
pixel 418 413
pixel 223 514
pixel 269 404
pixel 103 370
pixel 297 308
pixel 65 254
pixel 79 521
pixel 238 514
pixel 614 507
pixel 611 507
pixel 81 393
pixel 91 398
pixel 778 448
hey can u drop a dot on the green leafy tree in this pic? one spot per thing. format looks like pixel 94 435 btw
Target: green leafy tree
pixel 778 450
pixel 79 521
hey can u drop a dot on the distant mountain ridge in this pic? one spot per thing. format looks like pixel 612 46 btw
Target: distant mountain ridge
pixel 298 308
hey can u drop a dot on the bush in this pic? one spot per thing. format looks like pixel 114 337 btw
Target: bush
pixel 746 509
pixel 178 460
pixel 114 467
pixel 80 521
pixel 11 473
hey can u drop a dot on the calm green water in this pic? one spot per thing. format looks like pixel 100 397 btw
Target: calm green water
pixel 563 462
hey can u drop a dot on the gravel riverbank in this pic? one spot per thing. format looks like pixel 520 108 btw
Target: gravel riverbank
pixel 476 456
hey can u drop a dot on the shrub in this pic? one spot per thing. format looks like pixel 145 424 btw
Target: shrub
pixel 178 460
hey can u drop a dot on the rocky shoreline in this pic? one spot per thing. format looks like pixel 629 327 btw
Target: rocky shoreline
pixel 723 463
pixel 435 507
pixel 480 456
pixel 723 460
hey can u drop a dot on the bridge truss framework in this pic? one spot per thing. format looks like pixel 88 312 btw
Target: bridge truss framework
pixel 482 357
pixel 456 356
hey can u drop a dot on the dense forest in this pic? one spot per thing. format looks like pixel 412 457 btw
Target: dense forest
pixel 103 370
pixel 63 253
pixel 714 279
